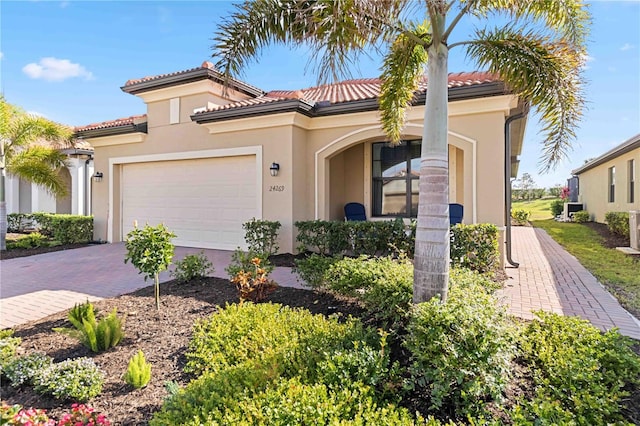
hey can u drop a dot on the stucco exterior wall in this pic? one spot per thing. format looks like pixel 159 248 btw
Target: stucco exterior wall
pixel 594 187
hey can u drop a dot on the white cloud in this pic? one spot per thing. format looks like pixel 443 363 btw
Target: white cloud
pixel 53 69
pixel 627 46
pixel 1 55
pixel 38 114
pixel 585 61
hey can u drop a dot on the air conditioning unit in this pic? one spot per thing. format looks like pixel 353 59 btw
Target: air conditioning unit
pixel 634 229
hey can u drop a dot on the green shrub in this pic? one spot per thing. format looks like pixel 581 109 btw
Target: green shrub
pixel 581 216
pixel 327 238
pixel 66 228
pixel 191 267
pixel 520 216
pixel 138 372
pixel 557 208
pixel 261 236
pixel 8 347
pixel 580 374
pixel 33 240
pixel 466 278
pixel 150 250
pixel 384 285
pixel 17 222
pixel 95 335
pixel 617 222
pixel 78 379
pixel 475 247
pixel 24 369
pixel 312 269
pixel 291 341
pixel 460 351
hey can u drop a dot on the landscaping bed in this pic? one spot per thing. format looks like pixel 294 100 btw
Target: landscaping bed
pixel 162 335
pixel 24 252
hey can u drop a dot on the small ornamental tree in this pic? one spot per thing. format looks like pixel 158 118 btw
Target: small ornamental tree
pixel 150 250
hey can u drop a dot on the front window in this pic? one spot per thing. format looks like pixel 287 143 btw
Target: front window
pixel 395 172
pixel 632 181
pixel 612 184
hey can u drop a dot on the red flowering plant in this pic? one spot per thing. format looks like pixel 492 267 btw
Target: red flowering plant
pixel 82 415
pixel 564 193
pixel 17 415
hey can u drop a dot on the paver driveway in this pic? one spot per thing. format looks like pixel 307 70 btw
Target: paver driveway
pixel 36 286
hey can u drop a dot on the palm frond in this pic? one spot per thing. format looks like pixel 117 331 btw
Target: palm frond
pixel 569 18
pixel 544 72
pixel 40 165
pixel 335 31
pixel 402 71
pixel 25 129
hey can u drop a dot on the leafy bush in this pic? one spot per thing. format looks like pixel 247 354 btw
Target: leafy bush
pixel 262 236
pixel 17 222
pixel 475 247
pixel 581 216
pixel 24 369
pixel 254 284
pixel 82 415
pixel 66 228
pixel 326 238
pixel 138 372
pixel 466 278
pixel 18 415
pixel 8 347
pixel 580 374
pixel 461 350
pixel 192 266
pixel 520 216
pixel 33 240
pixel 150 250
pixel 79 379
pixel 618 222
pixel 384 285
pixel 243 261
pixel 557 208
pixel 293 340
pixel 312 269
pixel 97 336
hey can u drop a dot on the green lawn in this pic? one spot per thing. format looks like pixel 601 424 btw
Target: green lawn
pixel 618 272
pixel 539 208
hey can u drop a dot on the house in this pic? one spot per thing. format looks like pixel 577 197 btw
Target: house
pixel 205 158
pixel 27 197
pixel 609 183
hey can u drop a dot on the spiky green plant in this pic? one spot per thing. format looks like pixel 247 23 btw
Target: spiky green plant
pixel 539 57
pixel 96 335
pixel 138 372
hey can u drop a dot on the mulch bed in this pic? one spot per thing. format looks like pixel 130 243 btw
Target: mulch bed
pixel 609 239
pixel 162 335
pixel 15 253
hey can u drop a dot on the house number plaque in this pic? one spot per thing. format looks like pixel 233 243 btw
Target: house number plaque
pixel 276 188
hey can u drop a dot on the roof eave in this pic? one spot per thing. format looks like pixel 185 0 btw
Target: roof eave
pixel 277 107
pixel 189 77
pixel 627 146
pixel 112 131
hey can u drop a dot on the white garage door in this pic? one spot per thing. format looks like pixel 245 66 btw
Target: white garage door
pixel 203 201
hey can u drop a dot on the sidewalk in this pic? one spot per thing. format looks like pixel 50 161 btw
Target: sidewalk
pixel 551 279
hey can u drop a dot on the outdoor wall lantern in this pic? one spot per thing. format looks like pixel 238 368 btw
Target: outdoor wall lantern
pixel 97 176
pixel 275 168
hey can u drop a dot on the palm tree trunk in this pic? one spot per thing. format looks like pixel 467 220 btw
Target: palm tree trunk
pixel 431 262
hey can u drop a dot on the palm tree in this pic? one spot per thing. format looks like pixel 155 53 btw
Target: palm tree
pixel 539 56
pixel 23 155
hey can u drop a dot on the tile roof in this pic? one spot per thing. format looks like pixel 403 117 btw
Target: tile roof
pixel 134 119
pixel 352 90
pixel 205 64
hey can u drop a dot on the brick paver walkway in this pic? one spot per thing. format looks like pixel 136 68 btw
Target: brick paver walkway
pixel 37 286
pixel 551 279
pixel 548 279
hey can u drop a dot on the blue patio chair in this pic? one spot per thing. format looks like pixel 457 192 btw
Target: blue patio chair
pixel 456 212
pixel 354 212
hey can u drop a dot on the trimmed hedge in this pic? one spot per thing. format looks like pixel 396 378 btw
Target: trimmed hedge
pixel 618 222
pixel 475 247
pixel 64 228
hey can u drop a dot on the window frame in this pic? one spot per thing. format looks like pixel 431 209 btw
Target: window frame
pixel 631 180
pixel 408 178
pixel 612 184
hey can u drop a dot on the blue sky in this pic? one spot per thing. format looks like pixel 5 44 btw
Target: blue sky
pixel 67 60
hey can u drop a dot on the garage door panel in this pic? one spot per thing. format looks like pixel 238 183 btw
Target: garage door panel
pixel 203 201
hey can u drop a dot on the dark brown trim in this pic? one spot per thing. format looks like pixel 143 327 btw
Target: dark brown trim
pixel 625 147
pixel 113 131
pixel 190 76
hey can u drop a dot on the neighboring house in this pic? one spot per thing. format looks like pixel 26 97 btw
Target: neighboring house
pixel 609 183
pixel 200 160
pixel 26 197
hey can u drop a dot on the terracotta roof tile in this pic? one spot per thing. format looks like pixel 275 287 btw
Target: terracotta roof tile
pixel 134 119
pixel 205 64
pixel 353 90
